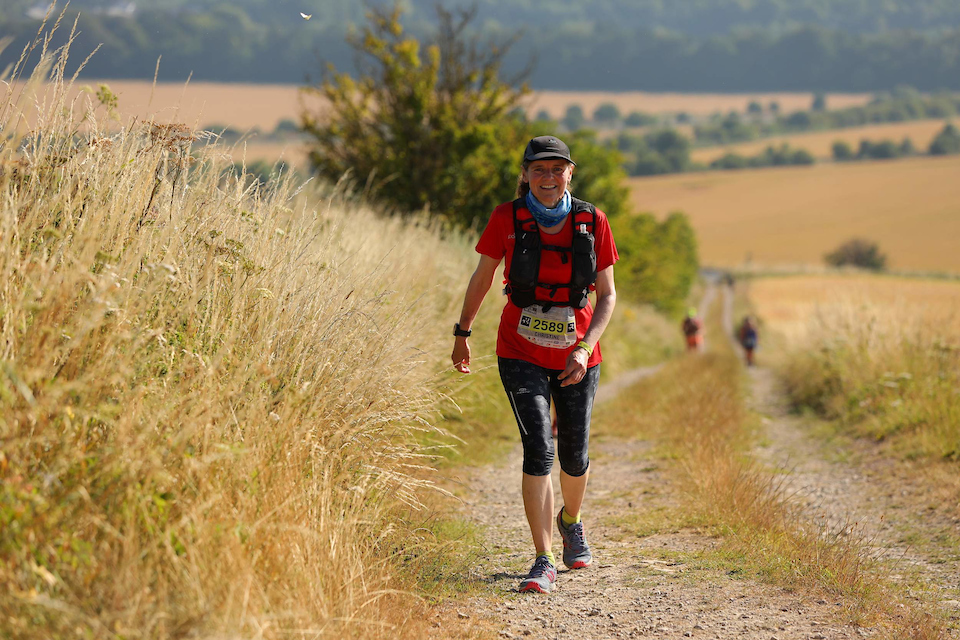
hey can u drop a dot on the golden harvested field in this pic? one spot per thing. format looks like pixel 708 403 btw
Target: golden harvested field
pixel 794 215
pixel 798 305
pixel 241 106
pixel 245 106
pixel 820 143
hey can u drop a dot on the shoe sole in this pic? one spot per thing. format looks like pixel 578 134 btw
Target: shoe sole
pixel 533 587
pixel 579 564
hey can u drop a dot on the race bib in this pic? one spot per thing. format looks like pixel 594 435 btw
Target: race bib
pixel 556 328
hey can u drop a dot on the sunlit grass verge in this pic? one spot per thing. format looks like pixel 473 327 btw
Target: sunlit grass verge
pixel 878 377
pixel 694 410
pixel 210 392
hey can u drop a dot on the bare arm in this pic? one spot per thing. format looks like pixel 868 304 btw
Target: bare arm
pixel 606 301
pixel 477 289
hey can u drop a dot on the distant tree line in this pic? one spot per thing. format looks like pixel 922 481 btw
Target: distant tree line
pixel 946 142
pixel 899 105
pixel 693 17
pixel 233 42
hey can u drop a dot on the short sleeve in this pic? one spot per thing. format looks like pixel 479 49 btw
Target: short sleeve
pixel 493 241
pixel 606 248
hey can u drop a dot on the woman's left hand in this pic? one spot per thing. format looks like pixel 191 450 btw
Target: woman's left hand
pixel 576 367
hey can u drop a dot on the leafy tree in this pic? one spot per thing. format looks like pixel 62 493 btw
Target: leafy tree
pixel 640 119
pixel 543 116
pixel 946 142
pixel 429 126
pixel 607 114
pixel 754 108
pixel 857 252
pixel 573 119
pixel 673 146
pixel 658 260
pixel 842 151
pixel 819 102
pixel 883 150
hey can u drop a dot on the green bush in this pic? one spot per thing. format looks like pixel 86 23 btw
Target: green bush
pixel 783 155
pixel 426 127
pixel 640 119
pixel 947 142
pixel 842 151
pixel 607 114
pixel 573 118
pixel 658 260
pixel 883 150
pixel 857 253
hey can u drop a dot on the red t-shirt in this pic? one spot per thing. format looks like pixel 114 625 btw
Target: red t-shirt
pixel 497 242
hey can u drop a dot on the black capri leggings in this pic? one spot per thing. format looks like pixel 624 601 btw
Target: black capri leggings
pixel 530 389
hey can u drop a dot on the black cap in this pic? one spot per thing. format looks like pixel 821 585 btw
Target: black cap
pixel 545 148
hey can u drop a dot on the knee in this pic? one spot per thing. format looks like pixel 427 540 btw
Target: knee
pixel 575 465
pixel 539 463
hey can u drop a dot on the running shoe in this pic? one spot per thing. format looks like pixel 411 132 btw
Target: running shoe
pixel 576 551
pixel 541 577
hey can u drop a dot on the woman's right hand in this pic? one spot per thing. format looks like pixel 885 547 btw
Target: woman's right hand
pixel 461 355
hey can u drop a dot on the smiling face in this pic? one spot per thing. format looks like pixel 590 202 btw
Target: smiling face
pixel 548 179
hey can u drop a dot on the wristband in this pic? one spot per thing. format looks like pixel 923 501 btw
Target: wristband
pixel 583 345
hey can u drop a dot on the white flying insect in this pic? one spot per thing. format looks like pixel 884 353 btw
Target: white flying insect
pixel 305 16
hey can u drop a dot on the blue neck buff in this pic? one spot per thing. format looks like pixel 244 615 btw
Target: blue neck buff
pixel 548 217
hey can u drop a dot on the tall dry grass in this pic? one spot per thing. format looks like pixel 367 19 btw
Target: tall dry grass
pixel 879 355
pixel 210 392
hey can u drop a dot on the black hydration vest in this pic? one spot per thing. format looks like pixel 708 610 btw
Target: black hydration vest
pixel 524 286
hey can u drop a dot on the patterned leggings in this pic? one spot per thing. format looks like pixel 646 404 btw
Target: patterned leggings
pixel 530 389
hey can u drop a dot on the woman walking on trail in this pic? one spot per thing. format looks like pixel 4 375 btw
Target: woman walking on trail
pixel 747 336
pixel 557 249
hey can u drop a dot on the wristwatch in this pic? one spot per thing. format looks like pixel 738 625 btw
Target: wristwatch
pixel 461 333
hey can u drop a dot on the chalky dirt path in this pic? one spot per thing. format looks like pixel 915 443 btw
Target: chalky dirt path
pixel 645 587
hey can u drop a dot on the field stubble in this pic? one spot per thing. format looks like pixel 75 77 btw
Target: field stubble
pixel 794 215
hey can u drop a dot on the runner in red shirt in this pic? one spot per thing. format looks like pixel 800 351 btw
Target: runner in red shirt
pixel 548 341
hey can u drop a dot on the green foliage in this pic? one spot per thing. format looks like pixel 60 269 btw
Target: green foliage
pixel 725 130
pixel 946 142
pixel 842 151
pixel 754 108
pixel 607 114
pixel 640 119
pixel 819 102
pixel 658 260
pixel 780 156
pixel 574 118
pixel 664 151
pixel 857 252
pixel 882 150
pixel 427 127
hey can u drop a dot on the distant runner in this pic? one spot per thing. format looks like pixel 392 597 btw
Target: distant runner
pixel 747 336
pixel 557 250
pixel 693 330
